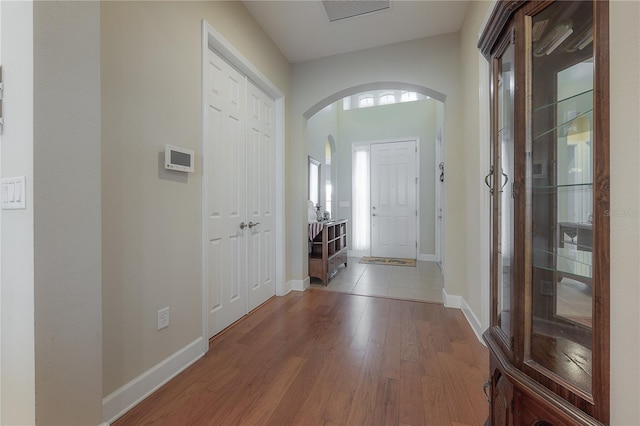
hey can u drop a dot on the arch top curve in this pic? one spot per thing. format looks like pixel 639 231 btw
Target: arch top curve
pixel 395 85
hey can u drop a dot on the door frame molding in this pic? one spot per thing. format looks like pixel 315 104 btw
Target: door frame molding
pixel 213 40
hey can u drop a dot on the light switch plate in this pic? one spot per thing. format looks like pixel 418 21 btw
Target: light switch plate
pixel 14 193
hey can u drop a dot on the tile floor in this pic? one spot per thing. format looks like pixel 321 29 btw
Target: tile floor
pixel 423 282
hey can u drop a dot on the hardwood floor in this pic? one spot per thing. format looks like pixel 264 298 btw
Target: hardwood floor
pixel 322 358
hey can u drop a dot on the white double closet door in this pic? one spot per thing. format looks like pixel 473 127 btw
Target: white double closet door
pixel 239 183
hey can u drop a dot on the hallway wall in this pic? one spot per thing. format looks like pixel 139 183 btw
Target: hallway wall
pixel 151 218
pixel 66 159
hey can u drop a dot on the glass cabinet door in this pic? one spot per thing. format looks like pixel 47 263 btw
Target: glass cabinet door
pixel 560 192
pixel 504 85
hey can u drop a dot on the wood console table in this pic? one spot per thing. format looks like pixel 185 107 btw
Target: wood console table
pixel 328 250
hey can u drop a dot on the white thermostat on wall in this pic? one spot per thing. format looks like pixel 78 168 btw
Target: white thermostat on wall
pixel 179 159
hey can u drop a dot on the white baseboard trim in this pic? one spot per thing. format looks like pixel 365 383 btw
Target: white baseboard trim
pixel 473 321
pixel 286 288
pixel 131 394
pixel 453 301
pixel 427 257
pixel 299 285
pixel 282 289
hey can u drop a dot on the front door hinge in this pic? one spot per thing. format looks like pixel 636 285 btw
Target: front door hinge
pixel 512 342
pixel 512 405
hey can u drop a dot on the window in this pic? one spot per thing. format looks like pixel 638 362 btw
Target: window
pixel 360 201
pixel 387 98
pixel 380 97
pixel 365 101
pixel 408 97
pixel 314 181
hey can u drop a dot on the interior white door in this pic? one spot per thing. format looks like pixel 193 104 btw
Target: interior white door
pixel 393 199
pixel 224 150
pixel 260 196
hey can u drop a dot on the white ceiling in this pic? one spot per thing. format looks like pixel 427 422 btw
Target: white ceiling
pixel 302 30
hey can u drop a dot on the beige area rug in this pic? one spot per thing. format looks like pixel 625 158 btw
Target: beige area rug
pixel 392 261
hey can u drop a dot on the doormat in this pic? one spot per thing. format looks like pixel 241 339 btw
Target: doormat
pixel 392 261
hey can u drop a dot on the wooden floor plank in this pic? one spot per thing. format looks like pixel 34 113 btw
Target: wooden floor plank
pixel 300 388
pixel 313 407
pixel 339 405
pixel 386 410
pixel 365 397
pixel 458 378
pixel 392 353
pixel 436 410
pixel 320 358
pixel 411 411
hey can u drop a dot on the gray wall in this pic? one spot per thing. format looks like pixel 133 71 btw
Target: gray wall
pixel 68 314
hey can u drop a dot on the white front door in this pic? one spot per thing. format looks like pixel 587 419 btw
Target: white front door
pixel 393 199
pixel 260 196
pixel 224 151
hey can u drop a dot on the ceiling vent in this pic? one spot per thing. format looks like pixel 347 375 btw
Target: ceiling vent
pixel 342 9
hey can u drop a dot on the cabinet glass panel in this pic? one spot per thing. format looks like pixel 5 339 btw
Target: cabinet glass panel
pixel 562 191
pixel 503 188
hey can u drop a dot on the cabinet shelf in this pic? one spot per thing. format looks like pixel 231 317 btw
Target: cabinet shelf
pixel 569 185
pixel 560 126
pixel 572 263
pixel 562 101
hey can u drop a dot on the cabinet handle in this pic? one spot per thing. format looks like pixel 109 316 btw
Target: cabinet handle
pixel 486 386
pixel 505 181
pixel 251 224
pixel 486 180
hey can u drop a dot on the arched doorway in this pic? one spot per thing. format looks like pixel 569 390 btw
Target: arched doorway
pixel 431 220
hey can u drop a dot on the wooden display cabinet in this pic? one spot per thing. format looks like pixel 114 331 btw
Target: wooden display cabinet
pixel 549 180
pixel 328 251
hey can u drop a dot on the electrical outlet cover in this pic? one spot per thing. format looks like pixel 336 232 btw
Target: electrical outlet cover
pixel 163 318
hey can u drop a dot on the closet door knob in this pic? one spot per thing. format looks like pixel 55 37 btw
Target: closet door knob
pixel 251 224
pixel 243 225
